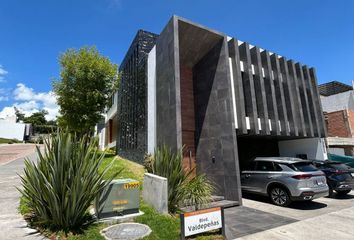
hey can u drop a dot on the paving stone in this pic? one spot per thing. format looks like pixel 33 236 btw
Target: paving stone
pixel 126 231
pixel 242 221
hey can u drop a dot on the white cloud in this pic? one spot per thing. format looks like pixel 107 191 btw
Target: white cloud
pixel 29 101
pixel 3 72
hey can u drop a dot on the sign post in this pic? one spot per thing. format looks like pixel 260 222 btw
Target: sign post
pixel 201 221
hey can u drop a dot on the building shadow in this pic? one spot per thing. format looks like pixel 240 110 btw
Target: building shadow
pixel 300 205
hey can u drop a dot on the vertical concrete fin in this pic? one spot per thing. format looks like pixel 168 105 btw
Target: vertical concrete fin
pixel 238 86
pixel 278 82
pixel 312 100
pixel 270 93
pixel 322 127
pixel 305 100
pixel 248 84
pixel 260 90
pixel 289 97
pixel 295 82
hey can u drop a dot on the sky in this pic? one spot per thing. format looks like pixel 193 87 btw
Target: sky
pixel 33 34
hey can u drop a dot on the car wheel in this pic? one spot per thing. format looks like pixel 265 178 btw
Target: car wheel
pixel 330 192
pixel 345 192
pixel 279 196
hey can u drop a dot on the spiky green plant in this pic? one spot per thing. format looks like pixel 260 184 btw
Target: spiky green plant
pixel 62 185
pixel 198 191
pixel 181 182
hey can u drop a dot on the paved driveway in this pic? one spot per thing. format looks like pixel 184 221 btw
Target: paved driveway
pixel 12 225
pixel 322 219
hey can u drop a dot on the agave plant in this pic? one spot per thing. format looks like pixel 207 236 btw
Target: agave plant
pixel 62 185
pixel 182 184
pixel 198 191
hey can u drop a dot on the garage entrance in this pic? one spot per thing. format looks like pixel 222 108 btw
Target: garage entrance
pixel 250 147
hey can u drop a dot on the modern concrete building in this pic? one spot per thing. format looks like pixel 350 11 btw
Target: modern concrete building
pixel 11 129
pixel 338 106
pixel 225 100
pixel 107 128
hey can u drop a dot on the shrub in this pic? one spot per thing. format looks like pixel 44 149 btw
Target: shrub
pixel 148 161
pixel 64 183
pixel 182 184
pixel 198 191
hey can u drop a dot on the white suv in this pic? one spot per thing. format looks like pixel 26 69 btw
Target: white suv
pixel 284 179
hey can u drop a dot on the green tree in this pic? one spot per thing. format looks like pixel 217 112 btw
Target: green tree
pixel 37 118
pixel 87 81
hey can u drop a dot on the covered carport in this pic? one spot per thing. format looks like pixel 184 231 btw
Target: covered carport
pixel 250 147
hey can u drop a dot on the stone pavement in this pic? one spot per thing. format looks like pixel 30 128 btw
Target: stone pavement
pixel 242 221
pixel 12 225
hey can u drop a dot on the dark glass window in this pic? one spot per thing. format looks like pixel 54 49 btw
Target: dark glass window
pixel 264 166
pixel 339 166
pixel 277 167
pixel 303 167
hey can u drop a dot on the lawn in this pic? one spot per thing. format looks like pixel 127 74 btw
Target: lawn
pixel 129 169
pixel 9 141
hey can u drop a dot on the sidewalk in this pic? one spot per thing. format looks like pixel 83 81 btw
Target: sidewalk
pixel 334 225
pixel 12 225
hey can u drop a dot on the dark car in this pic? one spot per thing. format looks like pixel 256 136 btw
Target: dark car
pixel 340 177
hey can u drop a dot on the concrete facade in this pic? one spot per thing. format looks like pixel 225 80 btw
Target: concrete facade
pixel 224 100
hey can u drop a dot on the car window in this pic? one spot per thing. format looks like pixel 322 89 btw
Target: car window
pixel 303 167
pixel 320 165
pixel 264 166
pixel 277 167
pixel 339 166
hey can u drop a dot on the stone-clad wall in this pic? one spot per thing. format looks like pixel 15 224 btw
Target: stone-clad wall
pixel 168 102
pixel 215 132
pixel 216 148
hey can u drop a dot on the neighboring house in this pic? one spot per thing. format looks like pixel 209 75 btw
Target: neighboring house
pixel 10 129
pixel 106 129
pixel 338 107
pixel 224 100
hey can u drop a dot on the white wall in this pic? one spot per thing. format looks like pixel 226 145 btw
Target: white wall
pixel 12 130
pixel 151 101
pixel 112 111
pixel 338 102
pixel 315 148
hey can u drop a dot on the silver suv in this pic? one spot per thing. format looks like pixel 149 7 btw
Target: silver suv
pixel 284 179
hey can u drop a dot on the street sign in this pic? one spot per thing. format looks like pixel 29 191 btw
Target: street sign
pixel 202 221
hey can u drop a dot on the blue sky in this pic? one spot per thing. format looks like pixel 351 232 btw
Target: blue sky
pixel 318 33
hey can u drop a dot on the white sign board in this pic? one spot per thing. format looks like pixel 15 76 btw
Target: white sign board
pixel 202 221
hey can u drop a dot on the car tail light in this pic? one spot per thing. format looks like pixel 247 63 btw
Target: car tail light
pixel 302 176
